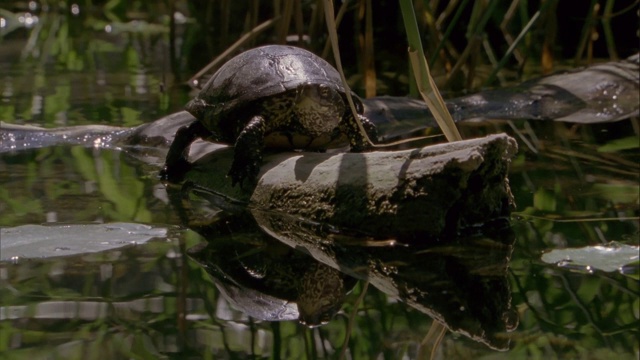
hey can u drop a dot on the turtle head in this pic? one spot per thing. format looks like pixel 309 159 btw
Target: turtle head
pixel 204 111
pixel 319 108
pixel 197 107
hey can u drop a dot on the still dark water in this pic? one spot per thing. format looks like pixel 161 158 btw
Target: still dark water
pixel 575 186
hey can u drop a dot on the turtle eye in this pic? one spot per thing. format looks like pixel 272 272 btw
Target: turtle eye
pixel 324 91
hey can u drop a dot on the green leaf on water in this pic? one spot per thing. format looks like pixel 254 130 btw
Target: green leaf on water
pixel 611 257
pixel 631 142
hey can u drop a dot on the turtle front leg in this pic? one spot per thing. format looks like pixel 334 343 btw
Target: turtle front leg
pixel 357 140
pixel 176 163
pixel 248 152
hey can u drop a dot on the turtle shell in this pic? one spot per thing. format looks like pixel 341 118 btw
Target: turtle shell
pixel 259 74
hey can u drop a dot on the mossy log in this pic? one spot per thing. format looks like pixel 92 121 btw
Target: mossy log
pixel 430 191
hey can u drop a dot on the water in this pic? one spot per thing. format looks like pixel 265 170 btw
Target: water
pixel 575 186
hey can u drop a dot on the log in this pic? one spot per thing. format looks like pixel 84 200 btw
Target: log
pixel 426 192
pixel 430 191
pixel 604 92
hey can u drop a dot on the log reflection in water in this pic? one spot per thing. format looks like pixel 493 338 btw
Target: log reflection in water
pixel 460 282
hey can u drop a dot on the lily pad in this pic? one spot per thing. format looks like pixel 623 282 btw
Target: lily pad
pixel 44 241
pixel 609 258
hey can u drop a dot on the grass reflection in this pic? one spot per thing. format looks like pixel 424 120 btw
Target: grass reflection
pixel 73 184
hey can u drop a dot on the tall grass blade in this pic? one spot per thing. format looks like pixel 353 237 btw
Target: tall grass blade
pixel 426 84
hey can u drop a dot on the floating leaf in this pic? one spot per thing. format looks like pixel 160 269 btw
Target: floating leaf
pixel 611 257
pixel 40 241
pixel 631 142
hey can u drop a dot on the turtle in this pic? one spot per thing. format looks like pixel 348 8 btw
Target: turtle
pixel 270 97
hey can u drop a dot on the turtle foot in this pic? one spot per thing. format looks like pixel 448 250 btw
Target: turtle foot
pixel 357 140
pixel 241 172
pixel 175 172
pixel 248 152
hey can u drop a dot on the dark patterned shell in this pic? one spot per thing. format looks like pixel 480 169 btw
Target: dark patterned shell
pixel 257 74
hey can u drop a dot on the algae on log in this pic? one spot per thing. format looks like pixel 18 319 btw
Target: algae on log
pixel 431 191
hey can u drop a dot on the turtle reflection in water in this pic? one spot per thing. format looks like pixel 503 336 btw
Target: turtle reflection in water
pixel 317 289
pixel 277 271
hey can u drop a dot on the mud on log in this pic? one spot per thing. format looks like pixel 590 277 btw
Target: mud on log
pixel 431 191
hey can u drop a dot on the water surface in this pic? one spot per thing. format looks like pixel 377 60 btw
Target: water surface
pixel 575 186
